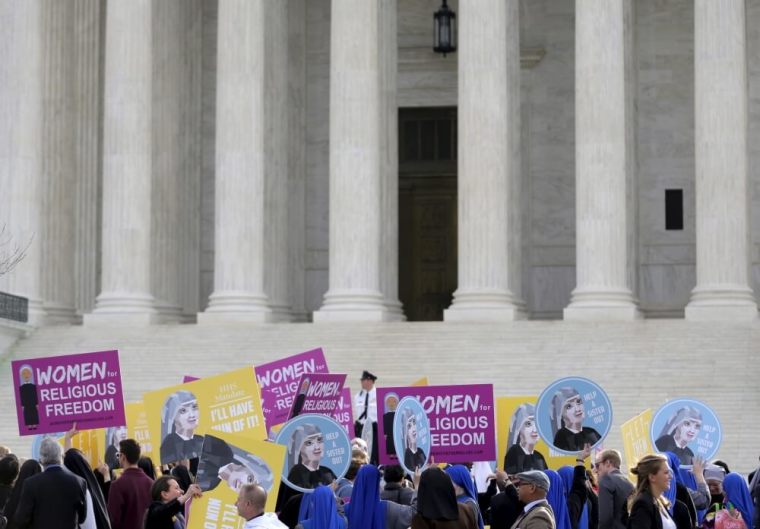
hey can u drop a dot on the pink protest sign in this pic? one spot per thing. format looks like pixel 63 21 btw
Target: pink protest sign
pixel 462 425
pixel 317 393
pixel 344 413
pixel 278 381
pixel 54 392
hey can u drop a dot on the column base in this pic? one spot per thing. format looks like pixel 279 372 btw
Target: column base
pixel 281 314
pixel 236 307
pixel 58 314
pixel 395 310
pixel 118 308
pixel 602 305
pixel 353 305
pixel 722 303
pixel 485 305
pixel 169 313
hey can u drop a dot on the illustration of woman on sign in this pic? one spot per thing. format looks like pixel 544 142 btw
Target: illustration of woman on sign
pixel 414 456
pixel 220 461
pixel 179 419
pixel 28 394
pixel 523 436
pixel 305 451
pixel 567 415
pixel 680 430
pixel 389 413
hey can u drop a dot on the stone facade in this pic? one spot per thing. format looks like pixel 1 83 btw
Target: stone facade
pixel 177 278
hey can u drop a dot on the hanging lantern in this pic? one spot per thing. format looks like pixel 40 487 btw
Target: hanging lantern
pixel 444 30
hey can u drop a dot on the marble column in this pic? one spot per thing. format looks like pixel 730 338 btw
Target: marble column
pixel 21 224
pixel 489 162
pixel 388 65
pixel 297 90
pixel 239 260
pixel 722 180
pixel 125 295
pixel 88 103
pixel 169 101
pixel 276 207
pixel 191 158
pixel 355 179
pixel 59 163
pixel 604 163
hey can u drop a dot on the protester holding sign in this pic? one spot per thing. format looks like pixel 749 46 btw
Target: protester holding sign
pixel 165 511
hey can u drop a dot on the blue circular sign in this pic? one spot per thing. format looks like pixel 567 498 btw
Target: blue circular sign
pixel 572 412
pixel 411 435
pixel 687 428
pixel 318 451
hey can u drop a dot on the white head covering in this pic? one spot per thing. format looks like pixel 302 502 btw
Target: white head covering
pixel 561 396
pixel 408 418
pixel 687 412
pixel 522 414
pixel 173 403
pixel 297 440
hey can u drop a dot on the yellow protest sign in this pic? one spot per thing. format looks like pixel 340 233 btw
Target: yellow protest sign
pixel 421 382
pixel 87 442
pixel 138 427
pixel 180 415
pixel 516 434
pixel 636 440
pixel 226 463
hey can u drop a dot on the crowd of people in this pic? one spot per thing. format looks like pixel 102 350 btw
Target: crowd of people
pixel 61 490
pixel 671 490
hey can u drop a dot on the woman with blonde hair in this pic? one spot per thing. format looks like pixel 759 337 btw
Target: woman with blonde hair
pixel 648 508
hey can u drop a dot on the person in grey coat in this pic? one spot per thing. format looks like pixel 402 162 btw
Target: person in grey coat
pixel 614 490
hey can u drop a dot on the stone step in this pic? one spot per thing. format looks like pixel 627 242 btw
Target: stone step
pixel 640 364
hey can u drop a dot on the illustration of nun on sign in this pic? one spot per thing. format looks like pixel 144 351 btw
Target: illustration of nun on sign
pixel 179 420
pixel 222 462
pixel 28 393
pixel 414 456
pixel 305 450
pixel 681 429
pixel 567 415
pixel 523 436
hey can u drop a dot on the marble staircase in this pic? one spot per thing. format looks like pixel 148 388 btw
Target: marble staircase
pixel 640 364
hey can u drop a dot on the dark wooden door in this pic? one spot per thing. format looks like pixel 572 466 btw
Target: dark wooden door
pixel 427 211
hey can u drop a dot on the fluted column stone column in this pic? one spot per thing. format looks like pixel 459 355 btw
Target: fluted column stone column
pixel 21 224
pixel 127 167
pixel 355 178
pixel 489 163
pixel 388 65
pixel 239 259
pixel 277 206
pixel 722 181
pixel 59 164
pixel 297 91
pixel 88 103
pixel 605 163
pixel 169 174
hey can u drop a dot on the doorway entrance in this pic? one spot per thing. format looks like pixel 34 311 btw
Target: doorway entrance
pixel 427 211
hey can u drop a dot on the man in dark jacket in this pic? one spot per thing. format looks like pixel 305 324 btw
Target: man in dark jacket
pixel 614 490
pixel 53 499
pixel 395 490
